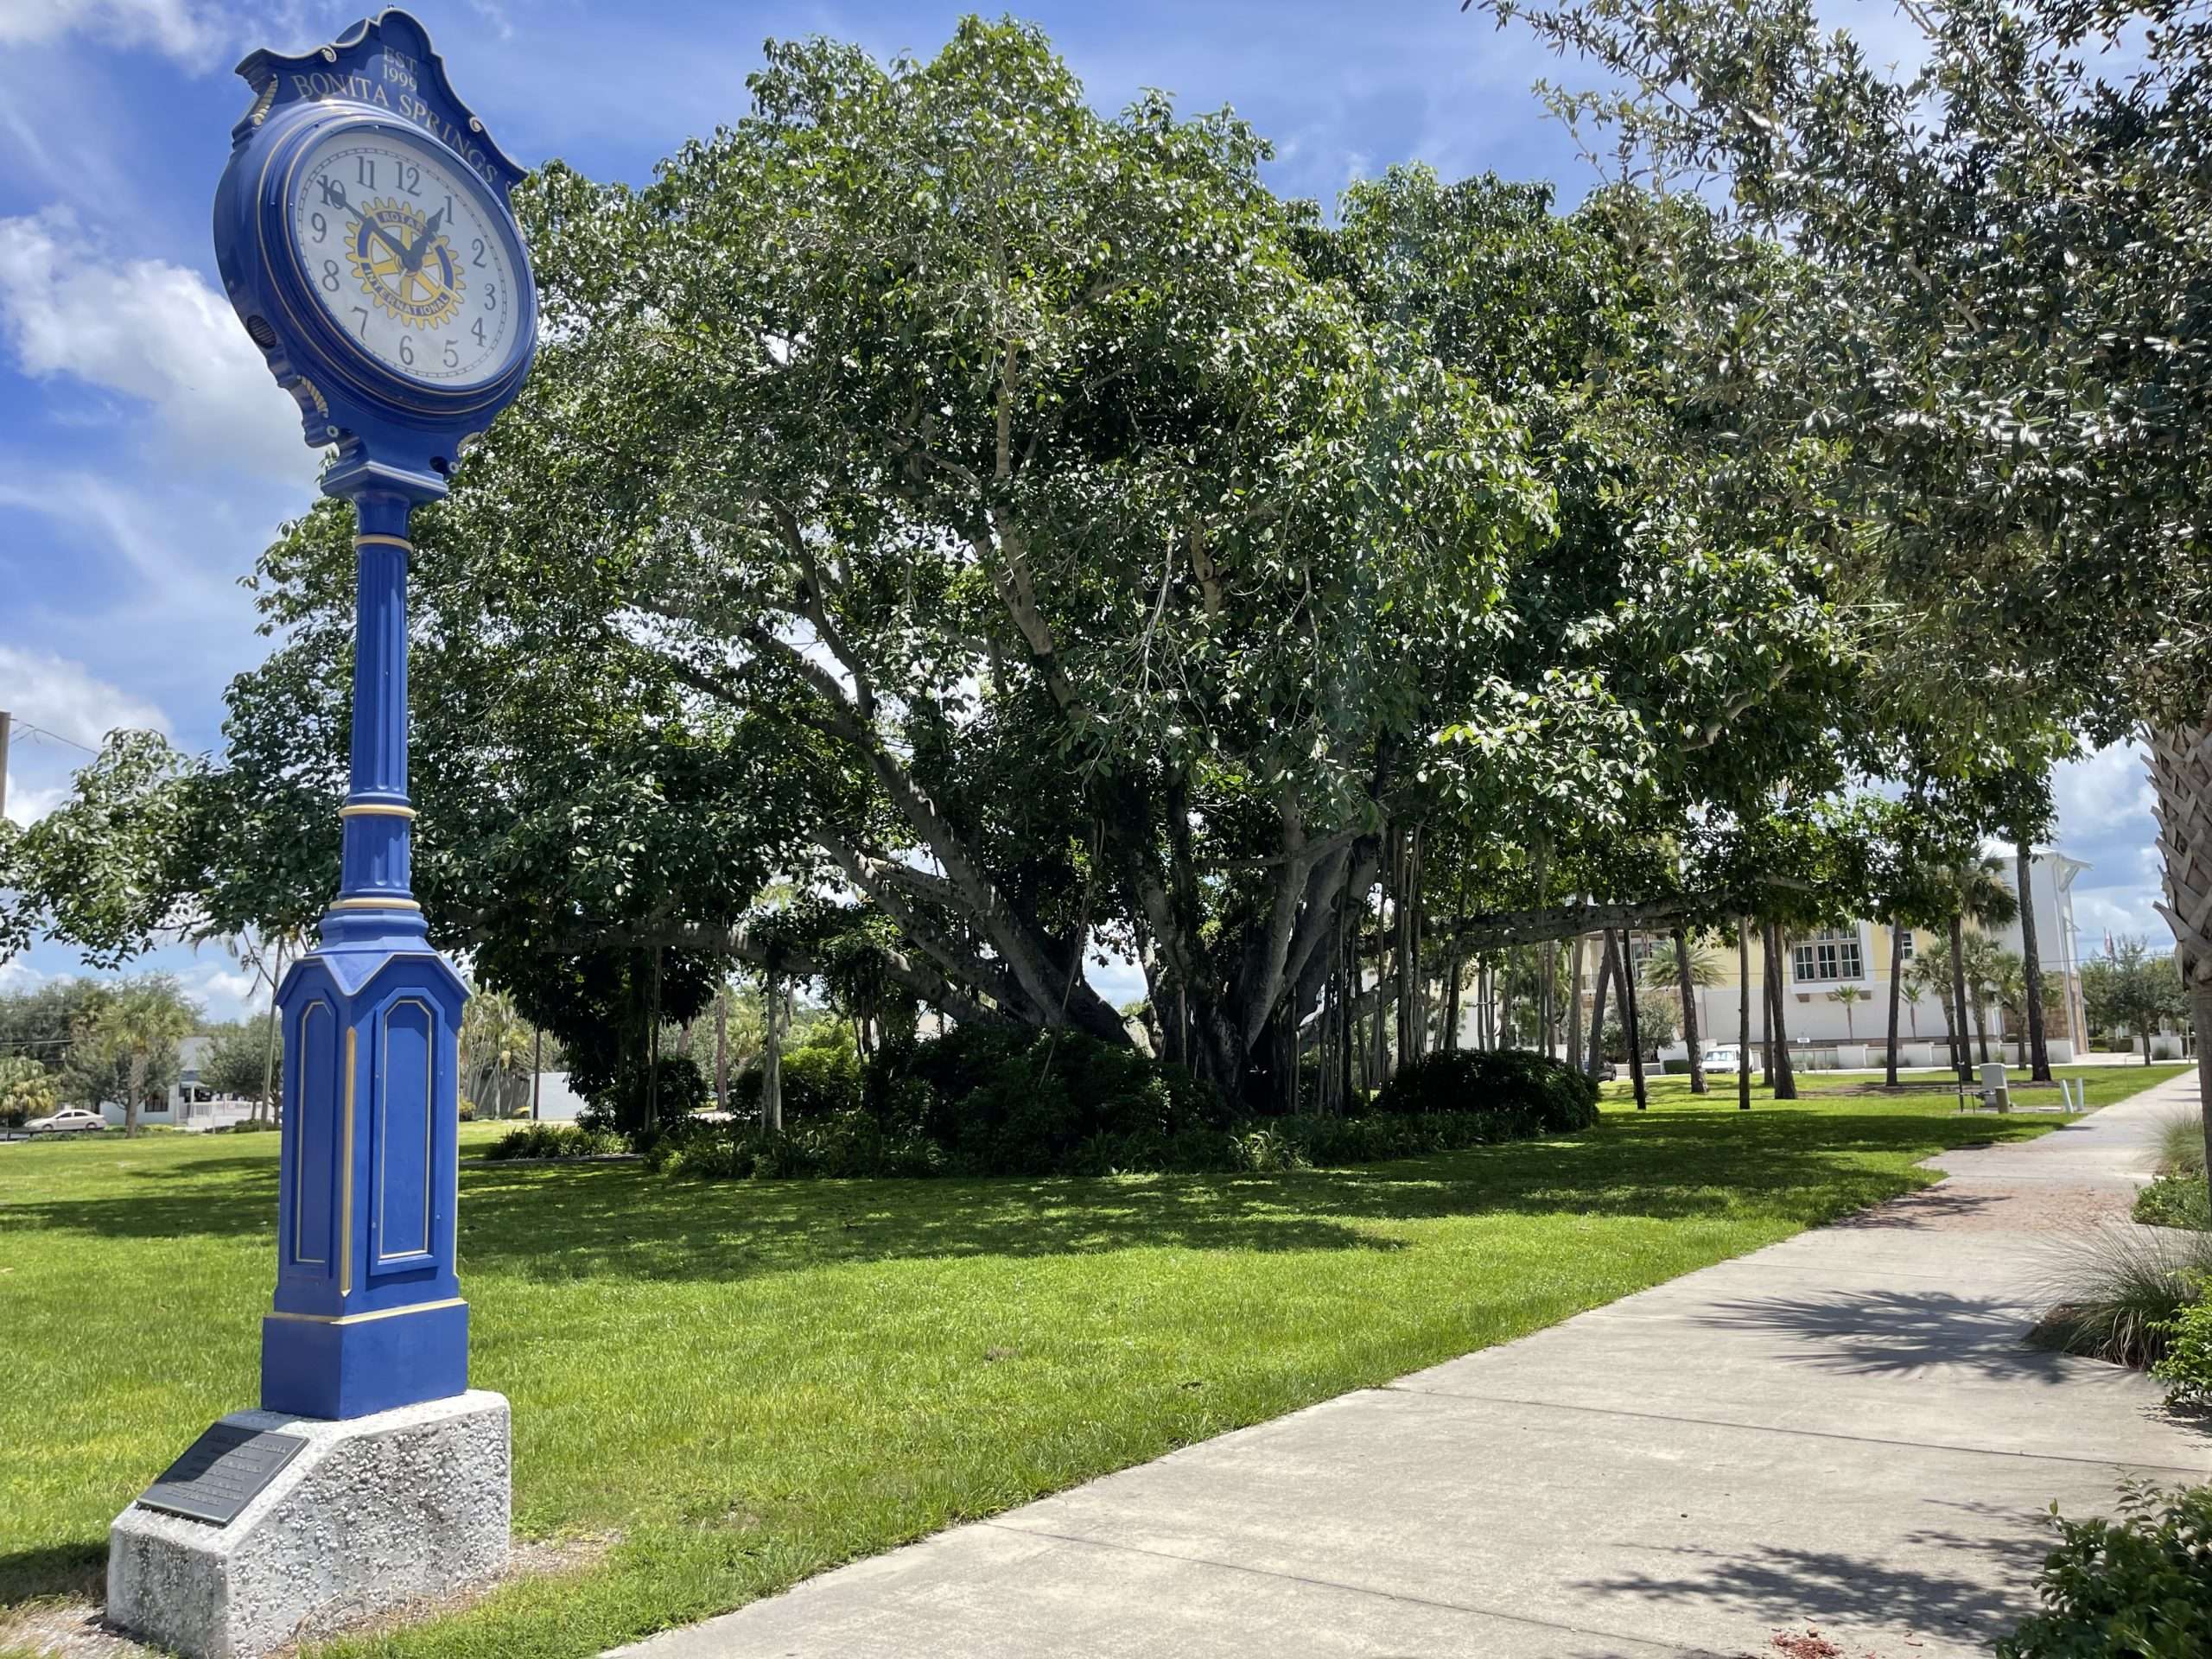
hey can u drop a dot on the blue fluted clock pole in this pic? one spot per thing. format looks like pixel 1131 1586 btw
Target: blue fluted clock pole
pixel 368 1310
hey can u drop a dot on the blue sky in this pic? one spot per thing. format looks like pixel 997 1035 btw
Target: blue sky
pixel 145 455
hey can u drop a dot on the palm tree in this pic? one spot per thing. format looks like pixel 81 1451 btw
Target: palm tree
pixel 1850 996
pixel 142 1024
pixel 497 1041
pixel 1981 971
pixel 1691 966
pixel 1973 891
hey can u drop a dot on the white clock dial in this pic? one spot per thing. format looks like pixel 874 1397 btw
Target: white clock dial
pixel 402 246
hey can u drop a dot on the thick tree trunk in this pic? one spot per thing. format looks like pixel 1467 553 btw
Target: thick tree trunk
pixel 1896 982
pixel 1744 1013
pixel 2181 770
pixel 1635 1038
pixel 1961 1057
pixel 1785 1076
pixel 1689 1011
pixel 1598 1006
pixel 2038 1054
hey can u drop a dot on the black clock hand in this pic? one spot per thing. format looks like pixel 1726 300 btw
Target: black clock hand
pixel 421 249
pixel 334 194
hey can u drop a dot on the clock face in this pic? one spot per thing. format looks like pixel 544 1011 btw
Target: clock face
pixel 403 246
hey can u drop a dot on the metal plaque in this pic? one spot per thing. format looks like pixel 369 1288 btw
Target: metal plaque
pixel 221 1472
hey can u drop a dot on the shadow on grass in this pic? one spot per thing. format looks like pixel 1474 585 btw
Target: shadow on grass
pixel 77 1571
pixel 554 1222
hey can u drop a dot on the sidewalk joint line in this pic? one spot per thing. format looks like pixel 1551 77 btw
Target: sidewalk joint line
pixel 1809 1433
pixel 1005 1525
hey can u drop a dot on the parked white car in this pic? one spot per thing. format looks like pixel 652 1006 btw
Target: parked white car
pixel 1728 1058
pixel 70 1120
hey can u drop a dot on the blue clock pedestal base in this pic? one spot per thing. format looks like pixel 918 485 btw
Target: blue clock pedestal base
pixel 368 1313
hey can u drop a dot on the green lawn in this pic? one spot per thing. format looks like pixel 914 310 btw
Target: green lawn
pixel 2107 1084
pixel 741 1384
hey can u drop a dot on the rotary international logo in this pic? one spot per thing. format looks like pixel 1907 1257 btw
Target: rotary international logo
pixel 403 265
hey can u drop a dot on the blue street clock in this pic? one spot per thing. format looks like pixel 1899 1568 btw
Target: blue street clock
pixel 364 235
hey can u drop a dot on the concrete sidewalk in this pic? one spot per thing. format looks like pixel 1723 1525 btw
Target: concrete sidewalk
pixel 1843 1432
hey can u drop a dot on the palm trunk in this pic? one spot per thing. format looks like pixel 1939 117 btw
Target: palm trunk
pixel 1767 1006
pixel 1597 1007
pixel 1744 1013
pixel 2181 770
pixel 1785 1078
pixel 1959 1058
pixel 1689 1011
pixel 1574 1002
pixel 1628 1020
pixel 721 1050
pixel 267 1103
pixel 1896 982
pixel 2038 1054
pixel 772 1057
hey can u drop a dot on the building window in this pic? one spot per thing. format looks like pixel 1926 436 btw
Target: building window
pixel 1828 957
pixel 1904 944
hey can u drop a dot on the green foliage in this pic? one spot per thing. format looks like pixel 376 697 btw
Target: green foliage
pixel 2186 1366
pixel 237 1064
pixel 2176 1201
pixel 26 1091
pixel 2139 1586
pixel 1004 1099
pixel 556 1140
pixel 2134 989
pixel 1535 1095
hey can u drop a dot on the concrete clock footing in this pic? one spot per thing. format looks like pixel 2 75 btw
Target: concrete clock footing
pixel 372 1512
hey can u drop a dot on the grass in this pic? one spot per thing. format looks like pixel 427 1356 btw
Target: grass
pixel 2116 1287
pixel 742 1383
pixel 2105 1085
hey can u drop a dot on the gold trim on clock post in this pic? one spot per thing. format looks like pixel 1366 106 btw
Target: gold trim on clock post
pixel 346 1246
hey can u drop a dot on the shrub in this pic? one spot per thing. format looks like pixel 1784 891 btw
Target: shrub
pixel 253 1126
pixel 2118 1290
pixel 2136 1587
pixel 1540 1096
pixel 2176 1201
pixel 1014 1101
pixel 2186 1366
pixel 555 1141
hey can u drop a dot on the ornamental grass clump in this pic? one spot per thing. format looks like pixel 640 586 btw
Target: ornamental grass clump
pixel 2115 1293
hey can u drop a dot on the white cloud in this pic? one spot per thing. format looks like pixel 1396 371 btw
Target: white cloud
pixel 151 331
pixel 2104 791
pixel 222 993
pixel 193 34
pixel 66 699
pixel 17 975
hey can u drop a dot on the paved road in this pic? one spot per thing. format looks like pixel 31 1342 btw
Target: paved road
pixel 1843 1432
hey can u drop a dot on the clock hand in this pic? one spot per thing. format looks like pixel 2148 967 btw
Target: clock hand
pixel 421 249
pixel 334 194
